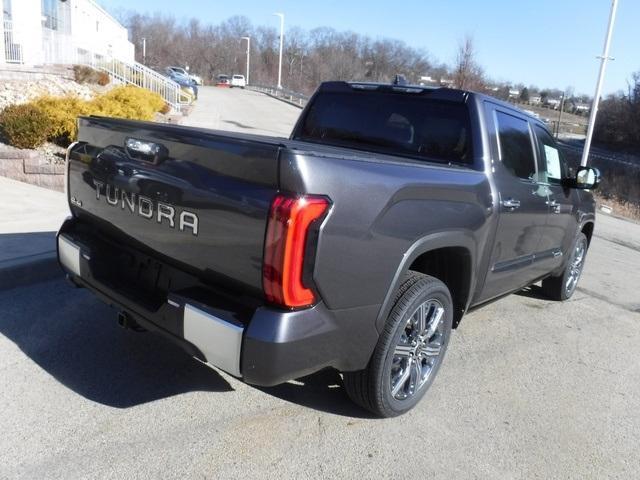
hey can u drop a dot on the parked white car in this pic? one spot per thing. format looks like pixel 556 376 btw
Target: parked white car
pixel 238 81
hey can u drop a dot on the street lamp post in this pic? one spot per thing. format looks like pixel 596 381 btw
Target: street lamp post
pixel 144 50
pixel 596 98
pixel 281 15
pixel 248 39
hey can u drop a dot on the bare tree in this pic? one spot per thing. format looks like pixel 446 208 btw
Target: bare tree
pixel 310 57
pixel 467 73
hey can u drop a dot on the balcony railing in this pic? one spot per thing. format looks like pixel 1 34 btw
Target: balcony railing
pixel 134 73
pixel 12 49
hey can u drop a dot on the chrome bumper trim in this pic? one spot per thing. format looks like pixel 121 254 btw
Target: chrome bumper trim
pixel 69 254
pixel 219 340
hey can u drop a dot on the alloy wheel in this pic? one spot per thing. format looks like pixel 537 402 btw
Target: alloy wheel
pixel 576 265
pixel 418 350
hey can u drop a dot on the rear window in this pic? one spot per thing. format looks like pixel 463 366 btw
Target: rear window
pixel 392 123
pixel 238 77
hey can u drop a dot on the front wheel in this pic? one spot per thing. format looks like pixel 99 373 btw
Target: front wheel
pixel 410 349
pixel 562 287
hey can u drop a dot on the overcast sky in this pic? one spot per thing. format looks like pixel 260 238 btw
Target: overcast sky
pixel 548 43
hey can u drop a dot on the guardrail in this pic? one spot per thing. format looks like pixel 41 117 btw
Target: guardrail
pixel 294 98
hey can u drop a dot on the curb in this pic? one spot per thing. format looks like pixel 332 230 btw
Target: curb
pixel 22 271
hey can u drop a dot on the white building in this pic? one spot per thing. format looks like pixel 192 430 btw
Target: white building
pixel 39 32
pixel 553 103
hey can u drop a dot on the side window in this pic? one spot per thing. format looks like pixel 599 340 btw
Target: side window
pixel 516 149
pixel 553 166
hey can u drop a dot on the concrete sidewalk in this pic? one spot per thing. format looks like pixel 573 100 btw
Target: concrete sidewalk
pixel 30 218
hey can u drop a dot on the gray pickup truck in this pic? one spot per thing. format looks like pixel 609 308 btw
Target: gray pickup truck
pixel 357 244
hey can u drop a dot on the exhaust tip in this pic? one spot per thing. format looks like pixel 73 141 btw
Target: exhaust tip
pixel 123 320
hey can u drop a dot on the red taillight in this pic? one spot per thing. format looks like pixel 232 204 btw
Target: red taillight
pixel 290 219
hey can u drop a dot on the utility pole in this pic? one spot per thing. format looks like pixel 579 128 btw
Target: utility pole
pixel 596 99
pixel 144 50
pixel 281 15
pixel 248 39
pixel 560 115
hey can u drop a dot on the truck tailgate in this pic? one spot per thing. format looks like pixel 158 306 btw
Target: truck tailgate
pixel 196 197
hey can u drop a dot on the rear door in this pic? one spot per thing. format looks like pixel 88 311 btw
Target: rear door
pixel 522 201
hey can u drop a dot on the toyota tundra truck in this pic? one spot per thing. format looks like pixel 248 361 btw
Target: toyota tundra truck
pixel 357 244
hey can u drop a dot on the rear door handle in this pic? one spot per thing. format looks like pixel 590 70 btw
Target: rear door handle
pixel 510 203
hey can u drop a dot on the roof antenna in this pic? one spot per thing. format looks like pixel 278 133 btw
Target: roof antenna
pixel 400 80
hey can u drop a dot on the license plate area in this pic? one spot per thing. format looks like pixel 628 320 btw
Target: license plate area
pixel 135 275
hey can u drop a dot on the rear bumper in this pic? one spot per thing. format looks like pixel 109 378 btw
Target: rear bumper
pixel 263 345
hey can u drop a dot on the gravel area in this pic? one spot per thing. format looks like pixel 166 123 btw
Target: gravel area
pixel 51 152
pixel 16 92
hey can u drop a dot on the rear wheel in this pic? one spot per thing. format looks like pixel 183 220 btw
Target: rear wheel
pixel 562 287
pixel 410 349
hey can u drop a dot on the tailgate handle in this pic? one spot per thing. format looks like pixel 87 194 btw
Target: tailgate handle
pixel 146 151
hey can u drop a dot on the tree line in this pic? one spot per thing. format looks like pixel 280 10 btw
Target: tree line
pixel 309 57
pixel 618 121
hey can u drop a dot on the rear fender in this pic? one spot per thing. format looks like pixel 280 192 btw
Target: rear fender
pixel 459 238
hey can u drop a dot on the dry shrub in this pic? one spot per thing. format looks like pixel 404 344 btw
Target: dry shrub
pixel 84 74
pixel 62 114
pixel 128 102
pixel 55 118
pixel 24 126
pixel 103 79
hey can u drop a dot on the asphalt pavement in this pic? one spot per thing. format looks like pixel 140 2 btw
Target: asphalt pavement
pixel 530 388
pixel 244 111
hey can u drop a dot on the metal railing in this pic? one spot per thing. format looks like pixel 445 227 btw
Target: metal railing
pixel 12 49
pixel 289 96
pixel 141 76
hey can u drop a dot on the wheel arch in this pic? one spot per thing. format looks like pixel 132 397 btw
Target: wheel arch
pixel 448 256
pixel 587 229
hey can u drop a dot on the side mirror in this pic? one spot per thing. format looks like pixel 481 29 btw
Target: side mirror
pixel 586 178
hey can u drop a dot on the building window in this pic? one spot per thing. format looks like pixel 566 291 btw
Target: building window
pixel 56 15
pixel 50 14
pixel 6 10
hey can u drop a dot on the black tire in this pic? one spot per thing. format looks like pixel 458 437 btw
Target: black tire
pixel 562 287
pixel 371 388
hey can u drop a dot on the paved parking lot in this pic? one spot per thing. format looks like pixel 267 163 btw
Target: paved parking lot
pixel 243 111
pixel 530 389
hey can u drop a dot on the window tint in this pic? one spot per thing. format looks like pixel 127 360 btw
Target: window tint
pixel 516 150
pixel 552 166
pixel 403 124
